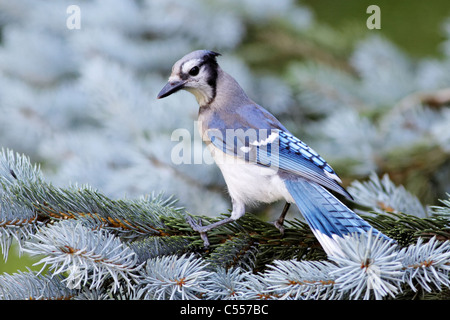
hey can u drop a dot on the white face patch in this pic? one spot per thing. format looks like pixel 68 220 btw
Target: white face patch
pixel 185 68
pixel 174 78
pixel 197 84
pixel 189 65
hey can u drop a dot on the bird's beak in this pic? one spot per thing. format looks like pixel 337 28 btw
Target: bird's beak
pixel 171 87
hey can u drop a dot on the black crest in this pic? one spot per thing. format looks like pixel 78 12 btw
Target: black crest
pixel 209 59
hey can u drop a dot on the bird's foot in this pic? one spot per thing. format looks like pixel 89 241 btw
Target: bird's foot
pixel 197 226
pixel 279 223
pixel 279 226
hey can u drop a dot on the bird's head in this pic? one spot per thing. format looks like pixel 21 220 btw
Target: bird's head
pixel 197 73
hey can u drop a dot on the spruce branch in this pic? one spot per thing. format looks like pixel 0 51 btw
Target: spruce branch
pixel 227 284
pixel 87 256
pixel 15 167
pixel 100 248
pixel 368 268
pixel 172 277
pixel 132 218
pixel 153 247
pixel 17 222
pixel 382 195
pixel 443 211
pixel 238 251
pixel 427 264
pixel 33 286
pixel 369 265
pixel 33 201
pixel 300 280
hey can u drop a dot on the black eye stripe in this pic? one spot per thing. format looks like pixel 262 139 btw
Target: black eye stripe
pixel 211 73
pixel 204 62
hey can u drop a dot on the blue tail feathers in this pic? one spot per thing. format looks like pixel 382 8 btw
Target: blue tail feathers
pixel 326 215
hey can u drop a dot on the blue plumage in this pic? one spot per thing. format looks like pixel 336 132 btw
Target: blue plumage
pixel 261 161
pixel 304 173
pixel 326 215
pixel 284 152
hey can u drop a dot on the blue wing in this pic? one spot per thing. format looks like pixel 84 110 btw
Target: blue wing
pixel 278 149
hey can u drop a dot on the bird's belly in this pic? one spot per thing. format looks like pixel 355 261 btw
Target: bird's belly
pixel 251 183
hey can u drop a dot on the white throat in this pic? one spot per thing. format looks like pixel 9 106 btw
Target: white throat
pixel 203 94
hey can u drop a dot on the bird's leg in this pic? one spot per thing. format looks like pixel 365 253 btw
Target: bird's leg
pixel 237 212
pixel 279 223
pixel 204 229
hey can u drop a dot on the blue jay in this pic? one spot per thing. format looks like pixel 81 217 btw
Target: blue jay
pixel 260 160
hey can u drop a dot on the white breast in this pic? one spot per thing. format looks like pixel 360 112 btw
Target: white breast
pixel 250 183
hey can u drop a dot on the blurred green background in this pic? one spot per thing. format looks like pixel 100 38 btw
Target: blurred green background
pixel 415 26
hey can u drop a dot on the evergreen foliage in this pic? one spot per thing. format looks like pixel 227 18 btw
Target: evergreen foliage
pixel 93 247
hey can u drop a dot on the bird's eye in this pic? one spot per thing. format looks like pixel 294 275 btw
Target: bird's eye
pixel 194 71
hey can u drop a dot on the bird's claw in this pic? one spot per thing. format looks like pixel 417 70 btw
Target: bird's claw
pixel 279 226
pixel 197 226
